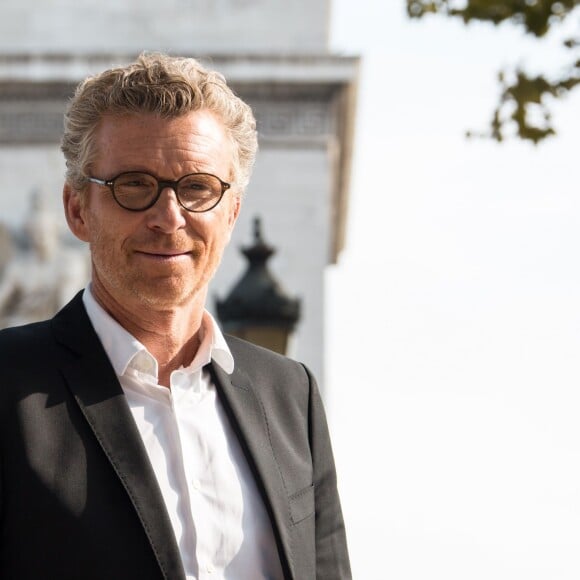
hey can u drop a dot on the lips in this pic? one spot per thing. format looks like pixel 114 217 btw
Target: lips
pixel 164 256
pixel 164 253
pixel 167 249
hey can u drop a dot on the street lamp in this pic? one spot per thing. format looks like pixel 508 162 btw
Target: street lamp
pixel 257 309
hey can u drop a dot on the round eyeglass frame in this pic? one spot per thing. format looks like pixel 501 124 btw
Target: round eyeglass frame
pixel 161 185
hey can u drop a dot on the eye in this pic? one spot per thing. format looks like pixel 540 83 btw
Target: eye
pixel 135 180
pixel 134 183
pixel 195 186
pixel 199 185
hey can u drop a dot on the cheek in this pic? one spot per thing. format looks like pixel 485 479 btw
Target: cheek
pixel 107 225
pixel 96 231
pixel 104 239
pixel 226 236
pixel 226 228
pixel 214 226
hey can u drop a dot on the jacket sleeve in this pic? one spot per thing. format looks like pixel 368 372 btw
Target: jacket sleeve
pixel 332 561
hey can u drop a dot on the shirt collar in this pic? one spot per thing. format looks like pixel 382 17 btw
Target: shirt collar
pixel 122 347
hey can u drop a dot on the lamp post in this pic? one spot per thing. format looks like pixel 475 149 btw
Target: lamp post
pixel 257 309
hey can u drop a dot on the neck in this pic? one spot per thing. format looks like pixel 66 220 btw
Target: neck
pixel 170 333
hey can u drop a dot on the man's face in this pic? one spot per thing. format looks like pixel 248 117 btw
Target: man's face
pixel 165 256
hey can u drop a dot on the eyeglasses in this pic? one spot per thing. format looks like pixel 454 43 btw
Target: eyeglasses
pixel 137 191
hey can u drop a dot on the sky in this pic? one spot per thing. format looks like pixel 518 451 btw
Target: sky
pixel 454 325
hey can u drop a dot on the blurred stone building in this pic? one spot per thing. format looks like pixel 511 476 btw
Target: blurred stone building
pixel 275 55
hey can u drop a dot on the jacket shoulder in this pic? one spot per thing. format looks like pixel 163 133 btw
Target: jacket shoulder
pixel 39 348
pixel 27 339
pixel 263 365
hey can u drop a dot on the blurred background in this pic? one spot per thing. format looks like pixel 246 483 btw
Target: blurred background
pixel 454 320
pixel 435 276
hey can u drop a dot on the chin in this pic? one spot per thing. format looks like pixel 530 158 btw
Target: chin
pixel 159 295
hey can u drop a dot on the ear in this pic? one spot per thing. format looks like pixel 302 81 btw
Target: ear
pixel 75 212
pixel 235 210
pixel 235 204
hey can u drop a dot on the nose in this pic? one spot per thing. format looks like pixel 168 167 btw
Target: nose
pixel 166 215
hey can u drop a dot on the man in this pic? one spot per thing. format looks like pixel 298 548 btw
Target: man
pixel 136 441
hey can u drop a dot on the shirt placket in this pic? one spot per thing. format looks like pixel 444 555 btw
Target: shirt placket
pixel 186 388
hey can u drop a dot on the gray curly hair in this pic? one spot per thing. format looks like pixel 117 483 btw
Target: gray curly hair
pixel 164 85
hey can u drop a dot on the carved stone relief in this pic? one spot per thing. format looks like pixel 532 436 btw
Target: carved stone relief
pixel 30 122
pixel 32 113
pixel 41 121
pixel 291 119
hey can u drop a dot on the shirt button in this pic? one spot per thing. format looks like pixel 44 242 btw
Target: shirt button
pixel 210 569
pixel 196 484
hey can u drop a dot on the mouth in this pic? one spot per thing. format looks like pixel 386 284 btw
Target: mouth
pixel 164 255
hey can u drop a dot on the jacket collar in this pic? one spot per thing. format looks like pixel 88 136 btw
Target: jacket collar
pixel 248 418
pixel 94 385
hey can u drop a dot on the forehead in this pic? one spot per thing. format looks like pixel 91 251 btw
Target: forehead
pixel 196 141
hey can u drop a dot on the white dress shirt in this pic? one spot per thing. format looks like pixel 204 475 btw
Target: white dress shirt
pixel 218 516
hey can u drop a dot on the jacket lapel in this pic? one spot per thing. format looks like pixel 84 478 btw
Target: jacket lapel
pixel 248 418
pixel 94 385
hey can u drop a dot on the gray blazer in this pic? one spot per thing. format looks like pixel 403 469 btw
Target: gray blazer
pixel 78 496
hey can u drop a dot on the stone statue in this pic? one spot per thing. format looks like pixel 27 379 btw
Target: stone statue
pixel 44 273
